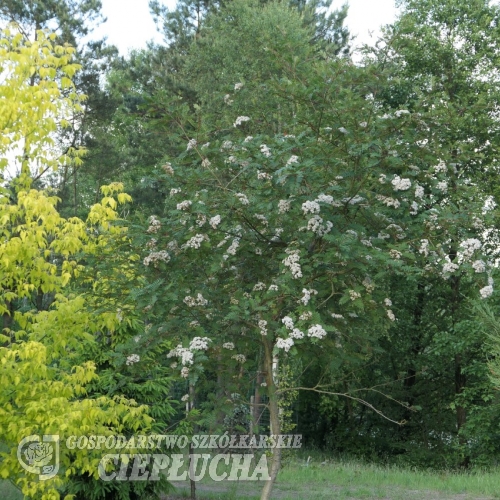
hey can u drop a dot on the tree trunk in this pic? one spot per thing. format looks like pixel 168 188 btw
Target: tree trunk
pixel 274 420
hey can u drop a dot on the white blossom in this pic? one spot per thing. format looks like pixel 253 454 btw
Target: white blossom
pixel 395 254
pixel 285 344
pixel 324 198
pixel 316 331
pixel 259 286
pixel 155 257
pixel 442 186
pixel 248 138
pixel 239 357
pixel 283 206
pixel 390 202
pixel 273 288
pixel 233 247
pixel 382 178
pixel 400 184
pixel 440 167
pixel 195 241
pixel 228 100
pixel 363 124
pixel 226 145
pixel 185 398
pixel 199 300
pixel 265 150
pixel 310 207
pixel 390 315
pixel 296 334
pixel 315 224
pixel 414 208
pixel 307 295
pixel 343 130
pixel 185 372
pixel 133 358
pixel 238 86
pixel 154 225
pixel 469 247
pixel 354 295
pixel 184 205
pixel 174 191
pixel 388 302
pixel 479 266
pixel 292 262
pixel 306 315
pixel 401 112
pixel 263 326
pixel 228 345
pixel 419 192
pixel 205 163
pixel 214 221
pixel 240 120
pixel 243 199
pixel 450 267
pixel 191 144
pixel 424 247
pixel 291 160
pixel 486 291
pixel 199 344
pixel 288 322
pixel 263 175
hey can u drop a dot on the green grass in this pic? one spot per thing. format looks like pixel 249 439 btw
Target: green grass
pixel 345 480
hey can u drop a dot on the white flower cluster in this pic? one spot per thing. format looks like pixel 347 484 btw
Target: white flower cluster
pixel 133 358
pixel 259 286
pixel 214 221
pixel 233 247
pixel 228 100
pixel 288 322
pixel 239 357
pixel 273 288
pixel 388 302
pixel 337 316
pixel 228 345
pixel 442 186
pixel 263 175
pixel 306 315
pixel 419 192
pixel 174 191
pixel 324 198
pixel 248 139
pixel 292 262
pixel 182 352
pixel 354 295
pixel 400 184
pixel 316 331
pixel 296 334
pixel 390 315
pixel 185 372
pixel 401 112
pixel 283 206
pixel 389 202
pixel 315 224
pixel 240 120
pixel 263 326
pixel 307 295
pixel 440 167
pixel 243 199
pixel 191 144
pixel 293 159
pixel 185 398
pixel 343 130
pixel 486 291
pixel 199 344
pixel 184 205
pixel 414 208
pixel 285 344
pixel 155 257
pixel 424 247
pixel 154 225
pixel 479 266
pixel 200 220
pixel 310 207
pixel 238 86
pixel 469 247
pixel 205 163
pixel 265 150
pixel 395 254
pixel 198 301
pixel 195 241
pixel 226 145
pixel 449 267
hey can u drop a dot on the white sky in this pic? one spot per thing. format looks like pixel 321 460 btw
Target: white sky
pixel 130 24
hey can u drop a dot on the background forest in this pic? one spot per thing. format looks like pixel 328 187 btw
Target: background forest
pixel 248 229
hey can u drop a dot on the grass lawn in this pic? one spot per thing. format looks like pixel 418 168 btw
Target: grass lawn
pixel 323 480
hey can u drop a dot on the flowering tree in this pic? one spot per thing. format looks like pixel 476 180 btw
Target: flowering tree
pixel 282 242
